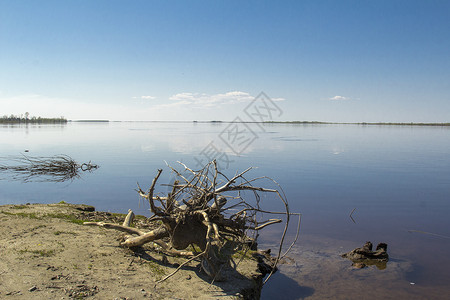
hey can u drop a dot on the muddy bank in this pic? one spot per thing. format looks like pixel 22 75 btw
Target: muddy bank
pixel 48 254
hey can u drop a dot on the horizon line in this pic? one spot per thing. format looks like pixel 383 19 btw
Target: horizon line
pixel 270 122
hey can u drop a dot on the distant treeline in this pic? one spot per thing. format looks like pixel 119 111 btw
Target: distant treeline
pixel 26 119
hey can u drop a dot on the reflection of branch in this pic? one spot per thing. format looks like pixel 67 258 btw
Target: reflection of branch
pixel 58 168
pixel 430 233
pixel 352 214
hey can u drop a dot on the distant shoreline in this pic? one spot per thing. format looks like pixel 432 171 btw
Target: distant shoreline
pixel 326 123
pixel 90 121
pixel 64 121
pixel 281 122
pixel 360 123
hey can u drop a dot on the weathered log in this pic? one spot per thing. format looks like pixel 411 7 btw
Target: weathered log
pixel 145 238
pixel 169 250
pixel 118 227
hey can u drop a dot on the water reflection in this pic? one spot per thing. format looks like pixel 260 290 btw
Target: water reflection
pixel 397 178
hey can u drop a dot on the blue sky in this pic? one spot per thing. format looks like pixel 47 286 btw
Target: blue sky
pixel 342 61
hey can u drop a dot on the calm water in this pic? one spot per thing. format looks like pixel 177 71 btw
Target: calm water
pixel 396 178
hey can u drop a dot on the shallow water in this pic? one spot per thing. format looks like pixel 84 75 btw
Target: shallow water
pixel 396 178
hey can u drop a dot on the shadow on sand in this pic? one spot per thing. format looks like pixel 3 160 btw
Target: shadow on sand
pixel 236 284
pixel 280 286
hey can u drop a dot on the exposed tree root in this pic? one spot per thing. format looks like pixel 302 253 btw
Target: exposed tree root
pixel 205 208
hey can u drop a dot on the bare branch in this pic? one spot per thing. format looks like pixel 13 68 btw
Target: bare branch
pixel 145 238
pixel 180 266
pixel 126 229
pixel 231 181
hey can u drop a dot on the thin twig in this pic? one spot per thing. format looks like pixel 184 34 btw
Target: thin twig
pixel 180 266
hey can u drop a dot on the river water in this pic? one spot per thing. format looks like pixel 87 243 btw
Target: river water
pixel 394 181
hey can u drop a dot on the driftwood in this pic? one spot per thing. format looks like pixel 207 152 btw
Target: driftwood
pixel 364 256
pixel 209 210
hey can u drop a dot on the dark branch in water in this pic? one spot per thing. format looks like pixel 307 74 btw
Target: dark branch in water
pixel 352 214
pixel 58 168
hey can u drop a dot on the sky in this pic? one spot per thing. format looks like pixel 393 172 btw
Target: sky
pixel 336 61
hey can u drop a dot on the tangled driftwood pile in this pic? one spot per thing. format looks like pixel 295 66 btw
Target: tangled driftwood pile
pixel 207 211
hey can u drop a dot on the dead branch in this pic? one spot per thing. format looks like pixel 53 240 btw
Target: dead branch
pixel 169 250
pixel 145 238
pixel 180 266
pixel 118 227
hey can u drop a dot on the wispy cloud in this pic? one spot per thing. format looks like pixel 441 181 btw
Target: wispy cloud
pixel 183 97
pixel 212 100
pixel 145 97
pixel 339 98
pixel 278 99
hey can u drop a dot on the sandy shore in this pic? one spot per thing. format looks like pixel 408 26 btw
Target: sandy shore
pixel 46 253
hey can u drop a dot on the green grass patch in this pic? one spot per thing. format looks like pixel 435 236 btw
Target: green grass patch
pixel 19 207
pixel 66 217
pixel 41 253
pixel 29 215
pixel 244 254
pixel 23 215
pixel 62 216
pixel 195 248
pixel 156 269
